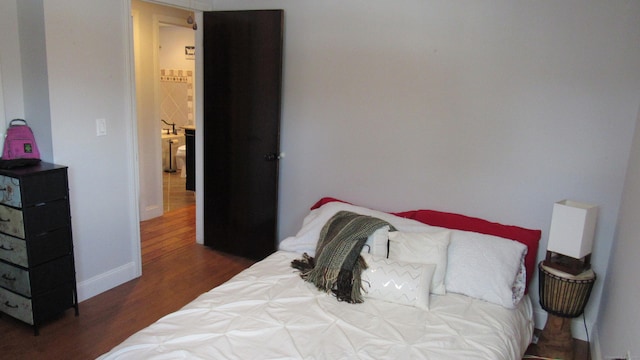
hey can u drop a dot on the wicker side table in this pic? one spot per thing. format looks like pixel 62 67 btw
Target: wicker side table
pixel 563 296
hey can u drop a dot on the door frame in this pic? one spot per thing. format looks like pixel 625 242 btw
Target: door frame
pixel 199 117
pixel 197 7
pixel 158 21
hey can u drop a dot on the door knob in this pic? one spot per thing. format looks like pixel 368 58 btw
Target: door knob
pixel 274 156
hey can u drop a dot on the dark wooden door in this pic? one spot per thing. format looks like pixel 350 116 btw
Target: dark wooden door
pixel 242 99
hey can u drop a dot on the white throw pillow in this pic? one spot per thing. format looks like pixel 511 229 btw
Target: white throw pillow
pixel 423 248
pixel 397 282
pixel 486 267
pixel 520 285
pixel 377 242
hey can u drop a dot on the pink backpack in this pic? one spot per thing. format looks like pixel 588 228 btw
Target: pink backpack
pixel 20 145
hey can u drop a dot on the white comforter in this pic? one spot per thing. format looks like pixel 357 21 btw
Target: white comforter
pixel 268 312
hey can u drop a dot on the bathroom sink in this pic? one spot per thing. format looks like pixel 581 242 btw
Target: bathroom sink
pixel 171 136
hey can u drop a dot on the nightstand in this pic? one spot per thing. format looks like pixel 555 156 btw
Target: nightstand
pixel 563 296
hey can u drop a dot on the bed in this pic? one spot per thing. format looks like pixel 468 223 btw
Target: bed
pixel 472 306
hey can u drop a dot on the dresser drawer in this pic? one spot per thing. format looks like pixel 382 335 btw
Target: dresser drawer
pixel 10 191
pixel 50 245
pixel 13 250
pixel 46 217
pixel 39 279
pixel 43 248
pixel 45 188
pixel 52 274
pixel 16 306
pixel 11 221
pixel 15 279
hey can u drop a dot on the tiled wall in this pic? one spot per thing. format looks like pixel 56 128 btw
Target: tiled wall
pixel 176 91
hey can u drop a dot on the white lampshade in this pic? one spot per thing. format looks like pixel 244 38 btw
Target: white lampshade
pixel 572 228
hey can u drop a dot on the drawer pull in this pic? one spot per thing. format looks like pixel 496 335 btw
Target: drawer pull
pixel 8 277
pixel 5 220
pixel 8 304
pixel 3 189
pixel 5 248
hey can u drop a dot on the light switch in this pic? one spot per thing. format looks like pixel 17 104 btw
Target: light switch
pixel 101 127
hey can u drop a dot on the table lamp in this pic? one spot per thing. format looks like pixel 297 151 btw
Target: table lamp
pixel 571 236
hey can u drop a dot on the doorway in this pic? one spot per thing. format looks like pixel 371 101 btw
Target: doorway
pixel 176 60
pixel 164 78
pixel 263 224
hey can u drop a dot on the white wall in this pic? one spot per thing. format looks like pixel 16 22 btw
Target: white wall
pixel 90 78
pixel 2 122
pixel 34 74
pixel 619 320
pixel 10 63
pixel 494 109
pixel 25 85
pixel 173 39
pixel 79 74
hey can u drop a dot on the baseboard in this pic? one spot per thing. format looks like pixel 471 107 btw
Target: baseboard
pixel 108 280
pixel 151 212
pixel 596 352
pixel 577 325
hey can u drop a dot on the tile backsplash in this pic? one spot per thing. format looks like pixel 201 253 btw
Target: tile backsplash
pixel 176 91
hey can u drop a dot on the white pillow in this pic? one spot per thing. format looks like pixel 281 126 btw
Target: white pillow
pixel 520 284
pixel 486 267
pixel 423 248
pixel 397 282
pixel 307 237
pixel 377 242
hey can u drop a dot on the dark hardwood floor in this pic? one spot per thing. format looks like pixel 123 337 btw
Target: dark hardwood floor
pixel 174 195
pixel 580 350
pixel 174 273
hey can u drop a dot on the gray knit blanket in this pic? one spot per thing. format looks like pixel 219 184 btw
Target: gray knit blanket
pixel 338 264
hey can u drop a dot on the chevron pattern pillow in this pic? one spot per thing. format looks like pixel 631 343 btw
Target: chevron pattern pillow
pixel 397 282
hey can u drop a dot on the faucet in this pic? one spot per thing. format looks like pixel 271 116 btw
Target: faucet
pixel 173 127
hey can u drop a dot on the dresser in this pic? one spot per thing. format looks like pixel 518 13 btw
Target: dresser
pixel 37 271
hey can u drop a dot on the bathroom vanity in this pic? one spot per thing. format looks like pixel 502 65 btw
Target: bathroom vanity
pixel 190 159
